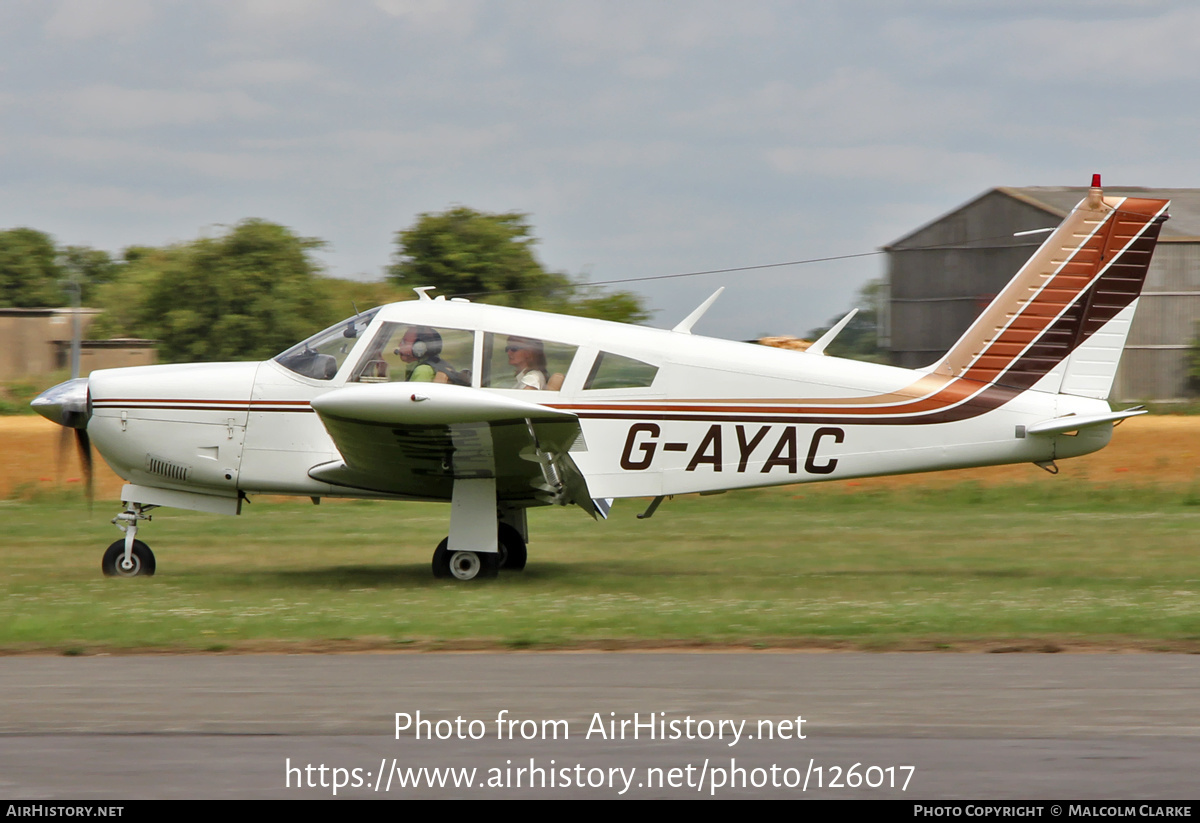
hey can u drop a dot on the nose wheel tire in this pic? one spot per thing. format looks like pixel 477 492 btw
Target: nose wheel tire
pixel 464 565
pixel 141 560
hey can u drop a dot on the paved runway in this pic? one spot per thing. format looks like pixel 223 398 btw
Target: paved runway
pixel 918 726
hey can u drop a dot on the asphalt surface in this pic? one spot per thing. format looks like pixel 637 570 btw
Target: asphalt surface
pixel 918 726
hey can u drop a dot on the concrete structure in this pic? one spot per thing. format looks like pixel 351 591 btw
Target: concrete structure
pixel 942 275
pixel 38 341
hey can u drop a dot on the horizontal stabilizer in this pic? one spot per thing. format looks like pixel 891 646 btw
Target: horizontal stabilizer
pixel 1074 422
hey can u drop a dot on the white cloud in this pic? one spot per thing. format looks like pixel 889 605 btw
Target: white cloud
pixel 1052 45
pixel 95 199
pixel 261 72
pixel 618 154
pixel 285 11
pixel 455 17
pixel 1150 49
pixel 117 108
pixel 150 160
pixel 850 103
pixel 434 144
pixel 645 136
pixel 603 32
pixel 885 163
pixel 89 19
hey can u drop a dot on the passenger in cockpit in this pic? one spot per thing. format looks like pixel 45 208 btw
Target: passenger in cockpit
pixel 528 357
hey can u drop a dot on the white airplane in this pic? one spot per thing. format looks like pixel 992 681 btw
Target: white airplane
pixel 497 410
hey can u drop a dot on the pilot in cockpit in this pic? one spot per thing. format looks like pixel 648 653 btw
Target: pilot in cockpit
pixel 420 349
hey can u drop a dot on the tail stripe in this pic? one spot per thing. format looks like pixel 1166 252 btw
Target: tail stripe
pixel 1116 286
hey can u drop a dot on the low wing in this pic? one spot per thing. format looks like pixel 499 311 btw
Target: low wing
pixel 415 439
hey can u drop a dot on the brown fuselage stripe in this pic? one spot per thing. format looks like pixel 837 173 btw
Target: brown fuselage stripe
pixel 194 401
pixel 206 405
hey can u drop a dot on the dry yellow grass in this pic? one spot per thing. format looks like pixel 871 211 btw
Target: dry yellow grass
pixel 1149 449
pixel 29 456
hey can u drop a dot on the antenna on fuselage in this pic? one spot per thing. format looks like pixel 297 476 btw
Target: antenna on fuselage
pixel 827 337
pixel 421 295
pixel 685 325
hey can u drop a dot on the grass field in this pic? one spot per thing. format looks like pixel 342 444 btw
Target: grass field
pixel 1068 564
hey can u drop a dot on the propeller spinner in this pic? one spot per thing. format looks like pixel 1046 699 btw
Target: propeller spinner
pixel 70 405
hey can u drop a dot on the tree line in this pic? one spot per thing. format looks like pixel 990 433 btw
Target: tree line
pixel 257 288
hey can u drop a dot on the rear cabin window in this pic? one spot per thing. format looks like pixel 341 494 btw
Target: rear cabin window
pixel 612 371
pixel 514 362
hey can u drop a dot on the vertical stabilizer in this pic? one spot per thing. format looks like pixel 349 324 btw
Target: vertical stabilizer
pixel 1061 323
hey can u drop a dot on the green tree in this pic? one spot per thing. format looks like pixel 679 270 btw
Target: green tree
pixel 489 258
pixel 248 294
pixel 860 339
pixel 30 275
pixel 92 267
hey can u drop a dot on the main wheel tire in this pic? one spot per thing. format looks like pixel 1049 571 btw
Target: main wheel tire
pixel 141 559
pixel 513 552
pixel 441 559
pixel 464 565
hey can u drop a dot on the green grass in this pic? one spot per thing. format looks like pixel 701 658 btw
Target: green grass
pixel 1037 566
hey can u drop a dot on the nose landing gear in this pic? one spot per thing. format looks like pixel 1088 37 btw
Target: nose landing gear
pixel 129 557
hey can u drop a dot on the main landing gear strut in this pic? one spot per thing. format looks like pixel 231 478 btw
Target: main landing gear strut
pixel 484 536
pixel 129 557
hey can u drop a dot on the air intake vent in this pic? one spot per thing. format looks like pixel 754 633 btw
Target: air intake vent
pixel 167 469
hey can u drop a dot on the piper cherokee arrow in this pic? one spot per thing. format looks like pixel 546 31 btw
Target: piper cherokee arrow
pixel 497 410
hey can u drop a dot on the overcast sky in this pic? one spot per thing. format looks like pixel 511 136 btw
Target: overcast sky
pixel 643 138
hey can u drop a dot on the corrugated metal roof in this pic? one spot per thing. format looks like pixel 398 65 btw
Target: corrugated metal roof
pixel 1058 200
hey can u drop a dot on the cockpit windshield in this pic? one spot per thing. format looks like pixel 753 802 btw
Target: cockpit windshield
pixel 321 355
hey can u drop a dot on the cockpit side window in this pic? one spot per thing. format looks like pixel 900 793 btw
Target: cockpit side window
pixel 321 355
pixel 419 354
pixel 516 362
pixel 613 371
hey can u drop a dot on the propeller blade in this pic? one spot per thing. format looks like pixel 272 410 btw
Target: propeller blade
pixel 64 438
pixel 84 445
